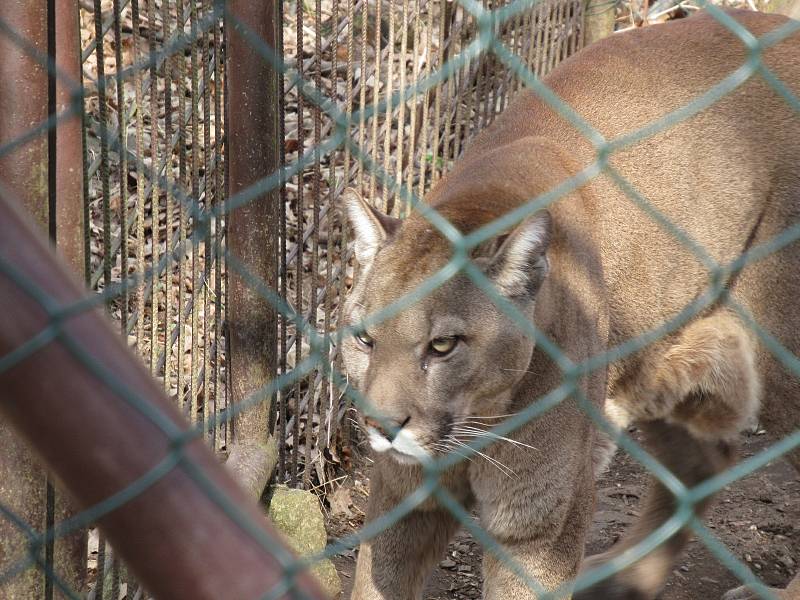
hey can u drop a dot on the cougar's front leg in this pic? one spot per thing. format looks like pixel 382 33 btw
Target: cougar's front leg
pixel 541 523
pixel 552 559
pixel 393 564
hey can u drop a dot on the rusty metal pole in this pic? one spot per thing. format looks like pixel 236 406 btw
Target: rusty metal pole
pixel 24 171
pixel 68 168
pixel 46 175
pixel 66 207
pixel 102 423
pixel 598 20
pixel 252 234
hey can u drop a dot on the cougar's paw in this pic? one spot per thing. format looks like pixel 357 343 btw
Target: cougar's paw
pixel 745 593
pixel 611 588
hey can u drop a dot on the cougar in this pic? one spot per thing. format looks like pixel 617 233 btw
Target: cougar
pixel 592 271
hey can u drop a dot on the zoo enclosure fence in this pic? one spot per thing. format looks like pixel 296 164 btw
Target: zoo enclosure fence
pixel 382 96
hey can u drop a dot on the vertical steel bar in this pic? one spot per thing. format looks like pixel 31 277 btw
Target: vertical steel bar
pixel 401 117
pixel 252 229
pixel 207 201
pixel 155 205
pixel 464 89
pixel 166 29
pixel 412 154
pixel 87 235
pixel 577 27
pixel 423 159
pixel 105 199
pixel 140 178
pixel 387 121
pixel 472 88
pixel 450 89
pixel 542 38
pixel 350 11
pixel 561 28
pixel 376 92
pixel 284 394
pixel 490 68
pixel 530 40
pixel 194 399
pixel 569 30
pixel 549 33
pixel 343 242
pixel 362 96
pixel 219 199
pixel 512 33
pixel 122 145
pixel 103 130
pixel 438 134
pixel 526 41
pixel 298 304
pixel 182 211
pixel 515 39
pixel 323 437
pixel 228 431
pixel 495 71
pixel 558 29
pixel 317 176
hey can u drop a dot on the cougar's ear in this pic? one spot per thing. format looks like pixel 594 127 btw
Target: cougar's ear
pixel 520 265
pixel 371 228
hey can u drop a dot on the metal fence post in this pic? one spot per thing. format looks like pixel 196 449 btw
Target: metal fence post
pixel 29 173
pixel 23 174
pixel 252 233
pixel 68 172
pixel 66 209
pixel 598 20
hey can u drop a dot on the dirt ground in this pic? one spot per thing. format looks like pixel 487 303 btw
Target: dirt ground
pixel 757 518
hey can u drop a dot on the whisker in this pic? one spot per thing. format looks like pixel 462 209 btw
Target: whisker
pixel 447 449
pixel 507 471
pixel 474 423
pixel 475 432
pixel 491 416
pixel 499 438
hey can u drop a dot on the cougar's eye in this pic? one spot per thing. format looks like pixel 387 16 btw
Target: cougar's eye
pixel 364 339
pixel 442 346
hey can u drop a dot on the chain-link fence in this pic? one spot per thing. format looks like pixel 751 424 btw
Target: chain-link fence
pixel 382 97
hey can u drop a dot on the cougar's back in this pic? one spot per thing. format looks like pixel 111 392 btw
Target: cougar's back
pixel 726 174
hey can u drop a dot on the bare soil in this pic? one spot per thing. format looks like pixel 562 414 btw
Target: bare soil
pixel 757 518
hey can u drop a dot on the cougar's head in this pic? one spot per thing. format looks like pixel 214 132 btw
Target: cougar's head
pixel 446 360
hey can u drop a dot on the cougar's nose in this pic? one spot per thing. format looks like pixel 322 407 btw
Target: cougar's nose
pixel 388 428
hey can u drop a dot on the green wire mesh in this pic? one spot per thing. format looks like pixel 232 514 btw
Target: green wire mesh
pixel 487 41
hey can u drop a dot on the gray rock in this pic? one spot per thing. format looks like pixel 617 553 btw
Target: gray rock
pixel 297 515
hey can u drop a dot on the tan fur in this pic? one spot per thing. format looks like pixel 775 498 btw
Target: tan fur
pixel 600 271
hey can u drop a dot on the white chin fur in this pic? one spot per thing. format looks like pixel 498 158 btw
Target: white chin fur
pixel 407 448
